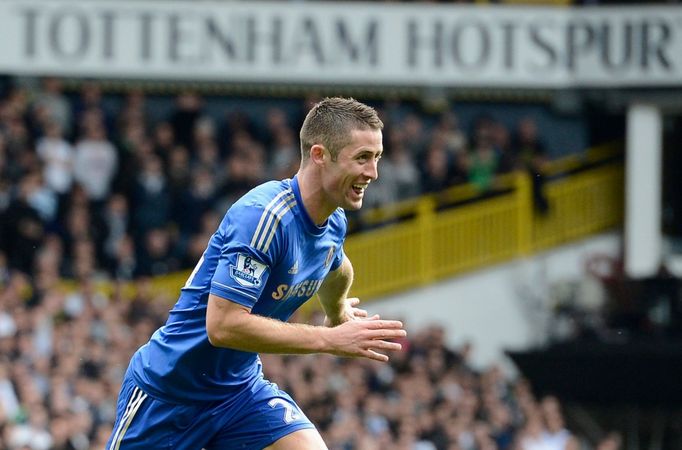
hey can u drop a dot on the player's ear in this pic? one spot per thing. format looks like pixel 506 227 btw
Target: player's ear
pixel 318 154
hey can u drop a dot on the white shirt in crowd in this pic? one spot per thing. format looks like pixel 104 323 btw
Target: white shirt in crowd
pixel 57 156
pixel 95 165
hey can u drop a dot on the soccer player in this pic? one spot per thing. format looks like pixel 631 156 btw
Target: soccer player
pixel 198 382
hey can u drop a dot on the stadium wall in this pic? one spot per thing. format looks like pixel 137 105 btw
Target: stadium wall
pixel 503 307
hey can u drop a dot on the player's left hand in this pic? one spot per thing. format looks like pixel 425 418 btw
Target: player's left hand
pixel 348 312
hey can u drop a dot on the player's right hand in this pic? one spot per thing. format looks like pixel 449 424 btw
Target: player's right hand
pixel 367 338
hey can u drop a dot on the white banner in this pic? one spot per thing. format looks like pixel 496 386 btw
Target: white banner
pixel 345 43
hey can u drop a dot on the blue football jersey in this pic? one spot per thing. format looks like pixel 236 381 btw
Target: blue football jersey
pixel 268 255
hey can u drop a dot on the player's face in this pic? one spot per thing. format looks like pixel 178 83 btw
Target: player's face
pixel 355 167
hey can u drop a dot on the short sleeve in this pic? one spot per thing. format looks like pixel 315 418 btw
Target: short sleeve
pixel 249 250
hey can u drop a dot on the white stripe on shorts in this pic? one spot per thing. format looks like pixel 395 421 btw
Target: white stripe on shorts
pixel 133 405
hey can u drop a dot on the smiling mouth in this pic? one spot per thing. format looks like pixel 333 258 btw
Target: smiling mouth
pixel 359 189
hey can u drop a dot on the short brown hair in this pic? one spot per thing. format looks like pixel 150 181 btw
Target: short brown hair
pixel 331 121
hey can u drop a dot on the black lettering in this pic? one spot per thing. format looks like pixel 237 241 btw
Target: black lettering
pixel 30 36
pixel 607 40
pixel 146 19
pixel 370 43
pixel 545 46
pixel 174 37
pixel 274 39
pixel 108 34
pixel 215 34
pixel 508 29
pixel 308 41
pixel 654 46
pixel 458 43
pixel 57 32
pixel 579 37
pixel 414 43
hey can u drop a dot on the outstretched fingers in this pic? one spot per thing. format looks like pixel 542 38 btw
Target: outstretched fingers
pixel 376 356
pixel 372 352
pixel 380 333
pixel 381 324
pixel 369 338
pixel 386 345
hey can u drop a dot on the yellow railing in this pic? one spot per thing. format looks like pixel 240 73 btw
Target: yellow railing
pixel 580 205
pixel 433 245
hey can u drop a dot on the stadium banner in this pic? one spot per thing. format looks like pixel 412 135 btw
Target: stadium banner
pixel 345 43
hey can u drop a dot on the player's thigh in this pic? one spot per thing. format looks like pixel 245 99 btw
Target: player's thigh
pixel 263 417
pixel 306 439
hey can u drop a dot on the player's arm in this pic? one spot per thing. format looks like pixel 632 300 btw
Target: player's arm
pixel 333 295
pixel 232 325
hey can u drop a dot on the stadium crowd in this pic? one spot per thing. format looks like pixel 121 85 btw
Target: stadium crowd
pixel 63 355
pixel 87 193
pixel 133 192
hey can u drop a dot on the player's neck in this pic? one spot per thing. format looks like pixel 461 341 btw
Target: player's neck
pixel 313 196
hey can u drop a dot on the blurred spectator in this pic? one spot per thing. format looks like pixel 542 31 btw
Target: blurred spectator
pixel 4 273
pixel 195 201
pixel 438 170
pixel 612 441
pixel 9 403
pixel 556 434
pixel 156 255
pixel 118 221
pixel 183 119
pixel 57 155
pixel 206 152
pixel 91 101
pixel 124 261
pixel 95 163
pixel 22 227
pixel 399 177
pixel 198 241
pixel 134 111
pixel 164 140
pixel 245 168
pixel 448 130
pixel 178 170
pixel 414 136
pixel 151 198
pixel 529 152
pixel 39 196
pixel 284 154
pixel 80 225
pixel 484 161
pixel 17 141
pixel 52 105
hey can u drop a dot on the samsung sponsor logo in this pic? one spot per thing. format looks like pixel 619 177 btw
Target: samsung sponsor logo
pixel 305 289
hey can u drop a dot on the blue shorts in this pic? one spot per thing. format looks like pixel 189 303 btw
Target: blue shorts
pixel 253 419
